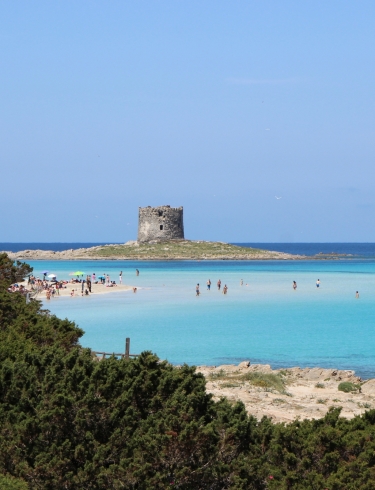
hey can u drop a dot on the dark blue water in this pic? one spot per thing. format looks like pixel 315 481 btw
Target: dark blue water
pixel 55 247
pixel 359 250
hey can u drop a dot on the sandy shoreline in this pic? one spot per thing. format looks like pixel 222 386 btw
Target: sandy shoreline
pixel 95 289
pixel 301 393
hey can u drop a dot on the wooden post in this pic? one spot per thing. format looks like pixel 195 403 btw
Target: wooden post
pixel 127 348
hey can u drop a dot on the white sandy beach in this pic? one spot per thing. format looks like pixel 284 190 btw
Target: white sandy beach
pixel 96 289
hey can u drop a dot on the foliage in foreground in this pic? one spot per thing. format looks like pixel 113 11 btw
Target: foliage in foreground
pixel 68 422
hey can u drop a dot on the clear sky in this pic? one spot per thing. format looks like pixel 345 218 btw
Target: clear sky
pixel 218 106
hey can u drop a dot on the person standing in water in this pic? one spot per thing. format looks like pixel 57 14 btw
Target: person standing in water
pixel 317 283
pixel 225 289
pixel 218 285
pixel 136 272
pixel 241 282
pixel 357 294
pixel 209 285
pixel 120 278
pixel 197 293
pixel 294 285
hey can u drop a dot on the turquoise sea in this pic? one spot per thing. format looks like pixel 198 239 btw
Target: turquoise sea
pixel 266 321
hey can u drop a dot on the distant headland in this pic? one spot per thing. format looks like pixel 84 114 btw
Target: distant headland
pixel 160 237
pixel 158 250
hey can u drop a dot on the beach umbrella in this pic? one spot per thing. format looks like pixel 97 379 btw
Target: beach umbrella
pixel 101 277
pixel 45 272
pixel 51 275
pixel 78 273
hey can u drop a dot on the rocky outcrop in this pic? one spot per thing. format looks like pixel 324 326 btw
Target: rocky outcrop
pixel 288 394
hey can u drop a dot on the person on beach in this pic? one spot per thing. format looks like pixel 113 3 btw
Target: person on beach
pixel 108 280
pixel 317 283
pixel 136 272
pixel 82 286
pixel 88 282
pixel 134 290
pixel 72 293
pixel 294 285
pixel 357 294
pixel 218 285
pixel 225 289
pixel 197 292
pixel 93 277
pixel 120 278
pixel 209 285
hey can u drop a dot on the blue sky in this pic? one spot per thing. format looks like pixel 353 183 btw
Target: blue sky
pixel 218 106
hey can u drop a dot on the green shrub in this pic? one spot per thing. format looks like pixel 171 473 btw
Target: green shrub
pixel 229 385
pixel 364 405
pixel 10 483
pixel 217 375
pixel 265 380
pixel 319 385
pixel 348 387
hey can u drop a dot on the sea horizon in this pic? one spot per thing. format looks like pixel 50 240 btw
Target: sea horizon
pixel 355 249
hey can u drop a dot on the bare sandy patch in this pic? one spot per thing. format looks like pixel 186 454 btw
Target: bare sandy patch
pixel 285 395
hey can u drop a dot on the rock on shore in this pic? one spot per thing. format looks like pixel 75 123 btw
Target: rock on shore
pixel 289 394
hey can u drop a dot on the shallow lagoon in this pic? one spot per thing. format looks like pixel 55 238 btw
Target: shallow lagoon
pixel 265 321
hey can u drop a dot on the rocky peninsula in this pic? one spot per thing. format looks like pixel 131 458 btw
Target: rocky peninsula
pixel 158 250
pixel 285 395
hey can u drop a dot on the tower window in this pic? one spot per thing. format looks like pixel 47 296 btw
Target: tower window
pixel 161 227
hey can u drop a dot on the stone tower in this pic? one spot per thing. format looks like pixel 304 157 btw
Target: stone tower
pixel 161 223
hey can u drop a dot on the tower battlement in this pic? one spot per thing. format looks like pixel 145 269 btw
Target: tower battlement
pixel 160 223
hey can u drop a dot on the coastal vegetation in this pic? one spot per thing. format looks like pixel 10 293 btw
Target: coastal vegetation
pixel 69 421
pixel 178 249
pixel 348 387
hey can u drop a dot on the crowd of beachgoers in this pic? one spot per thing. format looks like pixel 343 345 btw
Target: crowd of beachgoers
pixel 79 285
